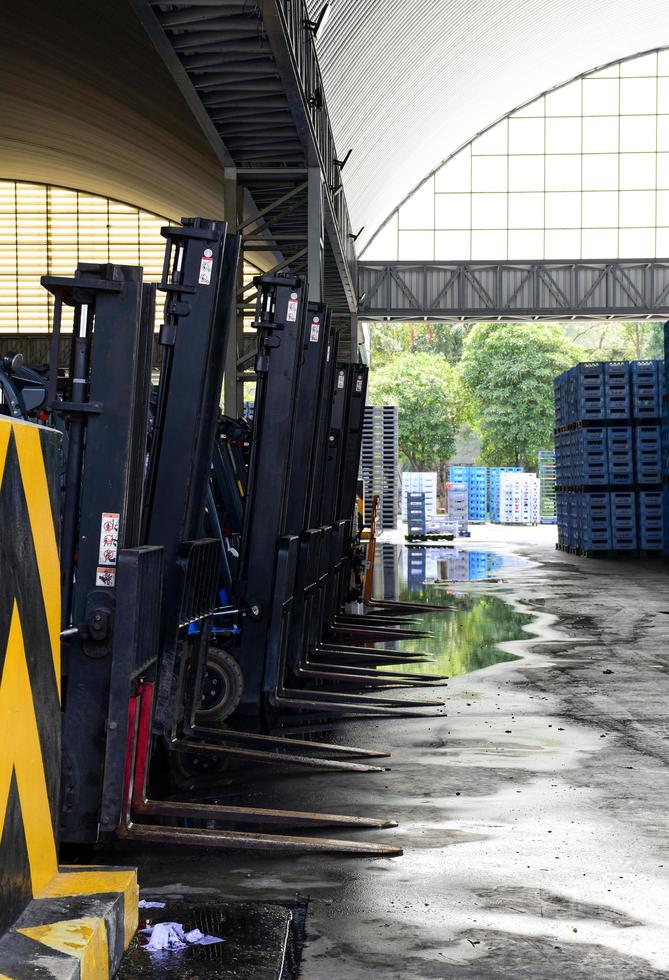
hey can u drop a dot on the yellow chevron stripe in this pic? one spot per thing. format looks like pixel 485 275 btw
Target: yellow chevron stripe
pixel 85 938
pixel 5 429
pixel 99 881
pixel 22 754
pixel 36 489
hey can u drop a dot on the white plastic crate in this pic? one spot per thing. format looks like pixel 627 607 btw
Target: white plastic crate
pixel 519 498
pixel 425 483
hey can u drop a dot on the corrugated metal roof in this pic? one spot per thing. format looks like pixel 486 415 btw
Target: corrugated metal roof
pixel 408 81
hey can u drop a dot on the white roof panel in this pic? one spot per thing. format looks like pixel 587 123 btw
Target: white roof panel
pixel 409 81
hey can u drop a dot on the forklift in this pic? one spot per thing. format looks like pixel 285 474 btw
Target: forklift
pixel 207 563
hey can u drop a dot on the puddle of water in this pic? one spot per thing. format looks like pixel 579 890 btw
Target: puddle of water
pixel 467 636
pixel 428 564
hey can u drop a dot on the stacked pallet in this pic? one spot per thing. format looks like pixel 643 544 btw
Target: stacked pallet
pixel 379 461
pixel 608 457
pixel 546 459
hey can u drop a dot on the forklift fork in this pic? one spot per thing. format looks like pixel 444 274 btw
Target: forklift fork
pixel 137 804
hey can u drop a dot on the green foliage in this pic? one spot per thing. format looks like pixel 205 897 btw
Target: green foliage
pixel 507 371
pixel 618 340
pixel 388 340
pixel 426 390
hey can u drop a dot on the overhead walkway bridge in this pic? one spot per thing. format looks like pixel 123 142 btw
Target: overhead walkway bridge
pixel 601 290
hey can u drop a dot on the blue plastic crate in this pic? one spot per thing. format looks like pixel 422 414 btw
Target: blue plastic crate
pixel 494 483
pixel 664 446
pixel 645 381
pixel 594 521
pixel 588 456
pixel 560 414
pixel 561 459
pixel 478 565
pixel 617 389
pixel 648 453
pixel 587 395
pixel 416 518
pixel 650 516
pixel 623 521
pixel 620 454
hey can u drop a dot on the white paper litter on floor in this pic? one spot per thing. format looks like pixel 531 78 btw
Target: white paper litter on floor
pixel 171 936
pixel 143 904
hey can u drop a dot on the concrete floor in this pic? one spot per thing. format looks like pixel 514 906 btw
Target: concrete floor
pixel 533 815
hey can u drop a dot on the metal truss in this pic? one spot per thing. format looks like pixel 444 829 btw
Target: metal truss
pixel 616 289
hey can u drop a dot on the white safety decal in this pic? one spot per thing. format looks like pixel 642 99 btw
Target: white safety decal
pixel 291 313
pixel 108 551
pixel 206 266
pixel 315 330
pixel 340 380
pixel 105 577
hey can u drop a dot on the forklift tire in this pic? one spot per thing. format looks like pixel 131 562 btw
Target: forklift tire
pixel 222 688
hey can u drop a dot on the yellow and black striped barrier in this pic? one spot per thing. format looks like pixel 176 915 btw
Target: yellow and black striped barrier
pixel 54 922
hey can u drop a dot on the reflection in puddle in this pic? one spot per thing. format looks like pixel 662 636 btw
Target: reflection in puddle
pixel 466 637
pixel 421 564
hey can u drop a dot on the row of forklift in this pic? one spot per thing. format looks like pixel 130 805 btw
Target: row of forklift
pixel 216 596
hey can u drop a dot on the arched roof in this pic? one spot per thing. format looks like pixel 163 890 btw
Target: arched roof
pixel 578 172
pixel 407 83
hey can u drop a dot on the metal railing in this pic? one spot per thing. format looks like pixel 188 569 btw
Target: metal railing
pixel 295 17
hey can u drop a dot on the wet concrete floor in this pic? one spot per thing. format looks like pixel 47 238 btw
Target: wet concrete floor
pixel 533 814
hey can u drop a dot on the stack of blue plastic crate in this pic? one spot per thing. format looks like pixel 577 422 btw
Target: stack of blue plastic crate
pixel 608 442
pixel 476 480
pixel 483 488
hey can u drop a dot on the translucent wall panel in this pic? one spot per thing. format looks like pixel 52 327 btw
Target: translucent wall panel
pixel 579 172
pixel 47 230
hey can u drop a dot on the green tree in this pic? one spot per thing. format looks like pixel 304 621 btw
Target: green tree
pixel 426 390
pixel 389 340
pixel 507 371
pixel 642 340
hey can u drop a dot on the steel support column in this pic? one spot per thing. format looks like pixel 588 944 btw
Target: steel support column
pixel 233 388
pixel 315 231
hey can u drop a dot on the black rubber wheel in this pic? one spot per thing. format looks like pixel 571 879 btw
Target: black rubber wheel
pixel 222 688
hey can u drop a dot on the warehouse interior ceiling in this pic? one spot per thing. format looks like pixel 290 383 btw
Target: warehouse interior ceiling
pixel 406 84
